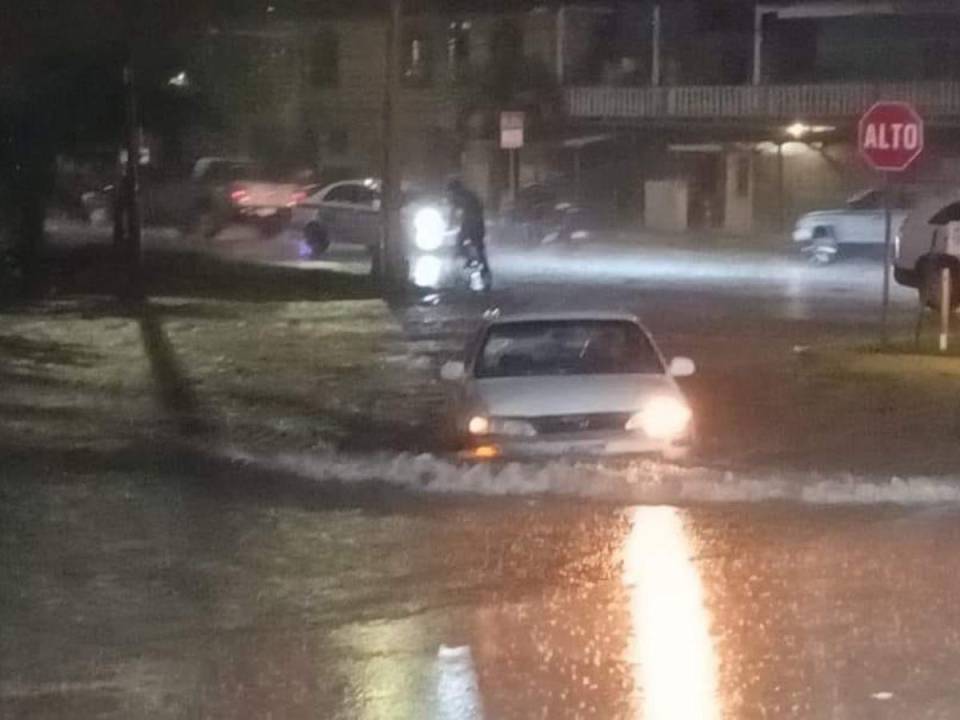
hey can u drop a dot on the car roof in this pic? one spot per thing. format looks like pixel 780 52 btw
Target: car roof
pixel 367 182
pixel 565 315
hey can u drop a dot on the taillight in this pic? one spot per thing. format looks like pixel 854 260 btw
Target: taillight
pixel 298 197
pixel 239 196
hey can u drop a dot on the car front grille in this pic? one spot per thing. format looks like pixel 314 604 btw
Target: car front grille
pixel 554 424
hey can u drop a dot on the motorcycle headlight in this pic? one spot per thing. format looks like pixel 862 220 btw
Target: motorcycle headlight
pixel 427 271
pixel 428 229
pixel 662 418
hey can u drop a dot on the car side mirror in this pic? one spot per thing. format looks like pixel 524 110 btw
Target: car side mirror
pixel 682 367
pixel 452 371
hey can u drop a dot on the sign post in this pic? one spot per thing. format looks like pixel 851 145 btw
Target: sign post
pixel 511 139
pixel 945 301
pixel 890 138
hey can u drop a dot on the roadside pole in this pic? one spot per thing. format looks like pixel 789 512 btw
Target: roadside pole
pixel 890 139
pixel 780 190
pixel 511 140
pixel 887 247
pixel 389 261
pixel 127 226
pixel 945 305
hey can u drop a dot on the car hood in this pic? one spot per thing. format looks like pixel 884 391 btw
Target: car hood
pixel 568 394
pixel 821 215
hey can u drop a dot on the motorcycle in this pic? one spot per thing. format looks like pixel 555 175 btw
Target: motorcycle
pixel 568 224
pixel 436 261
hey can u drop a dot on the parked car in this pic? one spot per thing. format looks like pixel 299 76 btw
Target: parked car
pixel 824 234
pixel 922 248
pixel 348 212
pixel 548 213
pixel 580 383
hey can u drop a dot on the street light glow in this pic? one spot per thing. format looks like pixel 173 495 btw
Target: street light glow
pixel 800 130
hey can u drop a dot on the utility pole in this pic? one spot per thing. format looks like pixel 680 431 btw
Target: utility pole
pixel 127 220
pixel 391 256
pixel 132 251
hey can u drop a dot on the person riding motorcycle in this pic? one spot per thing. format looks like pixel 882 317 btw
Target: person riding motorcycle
pixel 473 229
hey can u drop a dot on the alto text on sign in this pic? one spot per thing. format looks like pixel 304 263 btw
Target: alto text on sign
pixel 890 136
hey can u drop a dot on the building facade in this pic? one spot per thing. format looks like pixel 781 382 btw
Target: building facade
pixel 745 113
pixel 733 116
pixel 312 92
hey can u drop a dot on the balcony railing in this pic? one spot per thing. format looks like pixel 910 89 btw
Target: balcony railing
pixel 779 102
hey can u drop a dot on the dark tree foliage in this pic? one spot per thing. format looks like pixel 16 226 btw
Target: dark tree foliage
pixel 61 88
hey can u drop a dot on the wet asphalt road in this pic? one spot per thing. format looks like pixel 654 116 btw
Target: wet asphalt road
pixel 141 597
pixel 185 591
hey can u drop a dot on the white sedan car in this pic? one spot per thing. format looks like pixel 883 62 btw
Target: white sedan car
pixel 346 212
pixel 567 383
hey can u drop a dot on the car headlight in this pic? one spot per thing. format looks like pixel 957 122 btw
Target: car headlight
pixel 428 229
pixel 478 425
pixel 482 425
pixel 662 418
pixel 427 271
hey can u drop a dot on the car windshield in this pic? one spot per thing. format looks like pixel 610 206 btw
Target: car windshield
pixel 569 347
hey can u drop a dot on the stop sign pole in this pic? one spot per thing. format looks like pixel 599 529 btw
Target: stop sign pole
pixel 890 138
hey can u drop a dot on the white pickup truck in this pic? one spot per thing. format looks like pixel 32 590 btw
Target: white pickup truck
pixel 229 190
pixel 824 234
pixel 219 191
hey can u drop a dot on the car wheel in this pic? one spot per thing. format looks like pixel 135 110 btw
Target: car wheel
pixel 317 237
pixel 822 249
pixel 822 256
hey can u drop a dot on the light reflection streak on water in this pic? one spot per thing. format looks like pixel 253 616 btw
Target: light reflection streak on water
pixel 458 693
pixel 670 648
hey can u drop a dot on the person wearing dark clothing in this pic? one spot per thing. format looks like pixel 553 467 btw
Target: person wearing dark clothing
pixel 473 227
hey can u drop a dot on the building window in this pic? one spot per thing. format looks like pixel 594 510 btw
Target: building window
pixel 324 60
pixel 416 59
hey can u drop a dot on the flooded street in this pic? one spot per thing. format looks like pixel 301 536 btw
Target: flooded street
pixel 290 539
pixel 158 596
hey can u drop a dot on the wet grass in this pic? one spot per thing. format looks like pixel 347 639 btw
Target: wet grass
pixel 93 270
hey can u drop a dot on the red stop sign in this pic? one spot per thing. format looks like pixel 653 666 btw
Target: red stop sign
pixel 890 136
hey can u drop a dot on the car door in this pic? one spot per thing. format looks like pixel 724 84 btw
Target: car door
pixel 335 211
pixel 306 210
pixel 863 222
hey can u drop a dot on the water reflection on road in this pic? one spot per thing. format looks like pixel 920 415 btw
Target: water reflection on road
pixel 670 645
pixel 122 600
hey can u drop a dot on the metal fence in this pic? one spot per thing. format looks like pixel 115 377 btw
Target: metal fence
pixel 784 102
